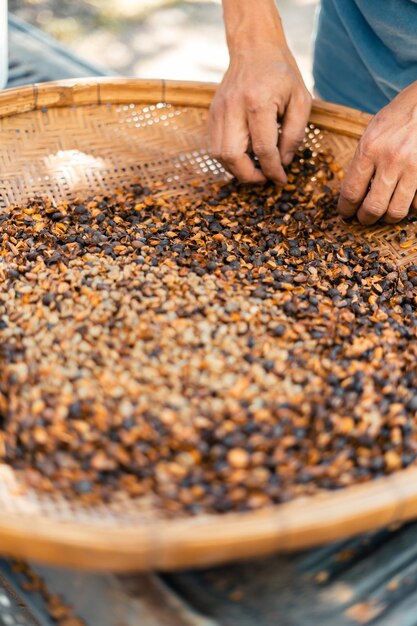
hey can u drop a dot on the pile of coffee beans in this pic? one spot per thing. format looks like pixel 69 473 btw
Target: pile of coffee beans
pixel 223 351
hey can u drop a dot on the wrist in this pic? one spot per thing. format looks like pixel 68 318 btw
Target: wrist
pixel 252 26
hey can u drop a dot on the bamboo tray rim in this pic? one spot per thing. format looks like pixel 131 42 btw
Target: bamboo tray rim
pixel 212 539
pixel 84 91
pixel 207 539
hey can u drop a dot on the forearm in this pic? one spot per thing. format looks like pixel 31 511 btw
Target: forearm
pixel 252 22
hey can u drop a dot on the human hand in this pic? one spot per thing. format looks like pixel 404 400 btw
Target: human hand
pixel 382 179
pixel 261 86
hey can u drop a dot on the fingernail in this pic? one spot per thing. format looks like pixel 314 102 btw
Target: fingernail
pixel 280 181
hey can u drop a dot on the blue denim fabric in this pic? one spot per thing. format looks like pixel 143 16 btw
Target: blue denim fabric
pixel 365 51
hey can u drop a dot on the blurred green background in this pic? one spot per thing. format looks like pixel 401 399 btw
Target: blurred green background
pixel 181 39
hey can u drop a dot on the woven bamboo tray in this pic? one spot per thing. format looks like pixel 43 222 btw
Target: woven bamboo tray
pixel 81 137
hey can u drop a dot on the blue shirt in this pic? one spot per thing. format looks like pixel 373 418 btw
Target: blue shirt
pixel 365 51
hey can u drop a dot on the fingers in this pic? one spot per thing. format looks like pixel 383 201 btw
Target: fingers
pixel 241 166
pixel 382 179
pixel 356 183
pixel 294 124
pixel 378 198
pixel 401 200
pixel 215 130
pixel 229 137
pixel 387 198
pixel 263 129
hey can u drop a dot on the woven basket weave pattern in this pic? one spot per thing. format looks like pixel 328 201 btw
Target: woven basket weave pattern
pixel 114 137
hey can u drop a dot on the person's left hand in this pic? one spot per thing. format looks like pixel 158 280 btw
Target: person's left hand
pixel 382 179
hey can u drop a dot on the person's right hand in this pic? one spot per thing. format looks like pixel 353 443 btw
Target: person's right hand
pixel 263 86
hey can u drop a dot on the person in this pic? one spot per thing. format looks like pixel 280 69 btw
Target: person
pixel 365 56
